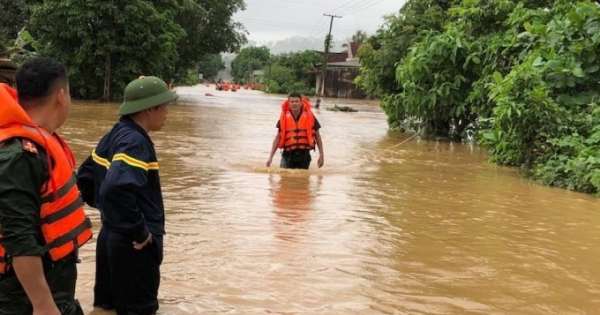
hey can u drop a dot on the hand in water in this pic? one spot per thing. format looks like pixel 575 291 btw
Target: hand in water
pixel 321 160
pixel 269 162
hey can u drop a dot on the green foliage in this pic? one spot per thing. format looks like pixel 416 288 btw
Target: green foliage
pixel 14 15
pixel 547 118
pixel 133 37
pixel 210 65
pixel 521 76
pixel 283 73
pixel 359 37
pixel 436 82
pixel 283 80
pixel 189 78
pixel 391 43
pixel 140 37
pixel 337 108
pixel 289 73
pixel 209 29
pixel 249 58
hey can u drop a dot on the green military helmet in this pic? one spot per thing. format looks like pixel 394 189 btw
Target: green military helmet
pixel 144 93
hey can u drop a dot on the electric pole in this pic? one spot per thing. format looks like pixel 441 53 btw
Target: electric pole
pixel 325 59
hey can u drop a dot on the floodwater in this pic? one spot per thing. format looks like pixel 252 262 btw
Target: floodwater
pixel 387 226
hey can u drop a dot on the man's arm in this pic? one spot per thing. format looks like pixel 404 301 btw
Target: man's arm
pixel 22 175
pixel 85 182
pixel 275 145
pixel 30 272
pixel 319 142
pixel 128 172
pixel 321 160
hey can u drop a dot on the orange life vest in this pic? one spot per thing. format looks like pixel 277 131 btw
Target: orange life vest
pixel 63 222
pixel 296 135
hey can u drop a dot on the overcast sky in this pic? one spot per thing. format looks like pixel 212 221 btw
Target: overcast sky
pixel 272 20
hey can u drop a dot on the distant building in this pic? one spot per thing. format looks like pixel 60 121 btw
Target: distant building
pixel 257 76
pixel 342 69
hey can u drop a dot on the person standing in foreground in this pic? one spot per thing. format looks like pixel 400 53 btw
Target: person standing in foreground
pixel 120 178
pixel 42 220
pixel 298 132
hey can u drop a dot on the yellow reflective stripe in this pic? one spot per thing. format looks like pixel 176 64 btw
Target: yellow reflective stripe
pixel 130 161
pixel 99 160
pixel 126 159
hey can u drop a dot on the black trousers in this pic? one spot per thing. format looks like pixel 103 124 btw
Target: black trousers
pixel 127 279
pixel 297 159
pixel 103 296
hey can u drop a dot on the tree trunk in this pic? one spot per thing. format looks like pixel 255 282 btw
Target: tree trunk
pixel 106 95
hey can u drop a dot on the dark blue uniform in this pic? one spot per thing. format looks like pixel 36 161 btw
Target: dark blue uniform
pixel 120 178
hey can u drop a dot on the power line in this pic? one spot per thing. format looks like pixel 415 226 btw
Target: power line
pixel 354 6
pixel 343 5
pixel 303 26
pixel 307 40
pixel 366 6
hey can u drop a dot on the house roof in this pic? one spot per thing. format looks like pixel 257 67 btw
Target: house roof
pixel 335 56
pixel 344 64
pixel 354 48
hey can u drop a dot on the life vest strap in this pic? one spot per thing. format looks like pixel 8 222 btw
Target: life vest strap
pixel 61 192
pixel 296 138
pixel 70 236
pixel 301 146
pixel 63 213
pixel 295 130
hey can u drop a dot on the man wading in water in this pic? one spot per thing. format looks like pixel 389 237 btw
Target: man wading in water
pixel 298 131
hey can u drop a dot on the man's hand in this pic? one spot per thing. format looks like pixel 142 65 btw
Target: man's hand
pixel 269 162
pixel 49 308
pixel 139 246
pixel 321 160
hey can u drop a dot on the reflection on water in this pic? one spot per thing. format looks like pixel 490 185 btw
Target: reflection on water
pixel 385 227
pixel 292 199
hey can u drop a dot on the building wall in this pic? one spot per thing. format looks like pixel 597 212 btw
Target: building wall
pixel 339 80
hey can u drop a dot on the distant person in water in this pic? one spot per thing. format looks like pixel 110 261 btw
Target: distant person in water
pixel 297 135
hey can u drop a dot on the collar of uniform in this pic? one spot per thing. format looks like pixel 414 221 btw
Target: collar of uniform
pixel 128 121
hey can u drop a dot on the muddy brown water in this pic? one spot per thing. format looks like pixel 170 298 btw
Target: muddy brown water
pixel 418 228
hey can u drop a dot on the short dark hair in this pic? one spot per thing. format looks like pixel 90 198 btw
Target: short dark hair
pixel 295 95
pixel 38 77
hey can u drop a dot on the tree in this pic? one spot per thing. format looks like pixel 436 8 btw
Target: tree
pixel 209 29
pixel 547 118
pixel 14 15
pixel 109 42
pixel 249 58
pixel 210 65
pixel 289 72
pixel 358 37
pixel 301 63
